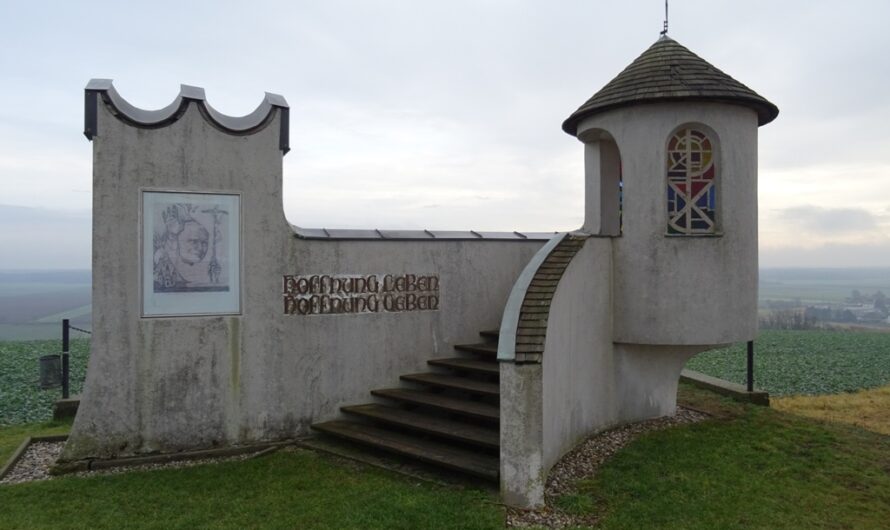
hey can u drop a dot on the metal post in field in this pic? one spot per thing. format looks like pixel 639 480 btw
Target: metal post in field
pixel 750 366
pixel 65 371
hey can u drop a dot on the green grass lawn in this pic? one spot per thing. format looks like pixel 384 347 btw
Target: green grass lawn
pixel 288 489
pixel 805 362
pixel 750 468
pixel 21 400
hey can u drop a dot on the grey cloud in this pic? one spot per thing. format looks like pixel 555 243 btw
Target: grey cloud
pixel 831 220
pixel 829 255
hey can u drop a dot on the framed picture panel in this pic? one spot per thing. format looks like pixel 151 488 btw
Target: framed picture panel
pixel 191 253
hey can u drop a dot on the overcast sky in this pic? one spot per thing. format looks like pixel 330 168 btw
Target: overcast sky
pixel 446 115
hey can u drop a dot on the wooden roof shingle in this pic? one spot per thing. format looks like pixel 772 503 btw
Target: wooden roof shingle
pixel 668 71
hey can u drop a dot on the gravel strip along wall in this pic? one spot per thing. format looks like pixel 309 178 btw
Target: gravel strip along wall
pixel 582 463
pixel 35 464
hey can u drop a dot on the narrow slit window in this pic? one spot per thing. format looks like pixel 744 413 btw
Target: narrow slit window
pixel 691 183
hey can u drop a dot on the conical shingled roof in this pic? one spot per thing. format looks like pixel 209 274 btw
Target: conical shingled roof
pixel 668 71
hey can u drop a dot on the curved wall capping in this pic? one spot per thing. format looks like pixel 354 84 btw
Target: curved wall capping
pixel 524 324
pixel 155 119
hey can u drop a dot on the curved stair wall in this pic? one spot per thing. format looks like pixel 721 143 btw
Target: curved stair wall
pixel 577 400
pixel 564 377
pixel 555 337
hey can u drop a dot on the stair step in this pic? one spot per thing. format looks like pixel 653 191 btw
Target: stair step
pixel 464 407
pixel 463 460
pixel 441 427
pixel 467 364
pixel 489 351
pixel 454 382
pixel 491 334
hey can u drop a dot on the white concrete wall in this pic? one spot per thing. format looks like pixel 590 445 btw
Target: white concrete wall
pixel 602 174
pixel 683 290
pixel 647 377
pixel 585 382
pixel 167 384
pixel 578 363
pixel 522 471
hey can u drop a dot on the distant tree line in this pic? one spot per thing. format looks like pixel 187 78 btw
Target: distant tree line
pixel 783 304
pixel 829 314
pixel 788 319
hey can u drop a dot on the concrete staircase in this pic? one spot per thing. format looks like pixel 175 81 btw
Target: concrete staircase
pixel 447 417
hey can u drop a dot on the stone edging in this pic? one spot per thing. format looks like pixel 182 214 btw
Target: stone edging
pixel 725 388
pixel 96 464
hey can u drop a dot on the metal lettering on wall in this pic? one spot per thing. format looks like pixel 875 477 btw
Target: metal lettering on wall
pixel 348 294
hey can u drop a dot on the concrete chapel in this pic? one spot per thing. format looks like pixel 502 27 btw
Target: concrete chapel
pixel 218 324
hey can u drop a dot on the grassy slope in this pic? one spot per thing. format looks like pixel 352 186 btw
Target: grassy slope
pixel 751 468
pixel 805 362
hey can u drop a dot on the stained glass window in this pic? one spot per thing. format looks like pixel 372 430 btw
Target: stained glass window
pixel 691 189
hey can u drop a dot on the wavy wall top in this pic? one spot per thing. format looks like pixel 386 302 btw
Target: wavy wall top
pixel 154 119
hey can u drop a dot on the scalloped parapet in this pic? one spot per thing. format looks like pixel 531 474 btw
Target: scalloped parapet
pixel 155 119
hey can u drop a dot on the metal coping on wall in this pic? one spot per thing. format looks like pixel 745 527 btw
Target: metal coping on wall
pixel 156 119
pixel 415 235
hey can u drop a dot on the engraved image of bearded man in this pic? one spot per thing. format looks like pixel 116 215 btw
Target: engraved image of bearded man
pixel 180 250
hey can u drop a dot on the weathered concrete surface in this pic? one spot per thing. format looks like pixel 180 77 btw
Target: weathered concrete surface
pixel 522 435
pixel 683 290
pixel 647 378
pixel 171 384
pixel 602 174
pixel 585 383
pixel 630 310
pixel 64 409
pixel 727 388
pixel 579 366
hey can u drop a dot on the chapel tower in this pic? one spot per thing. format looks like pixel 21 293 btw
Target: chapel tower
pixel 671 174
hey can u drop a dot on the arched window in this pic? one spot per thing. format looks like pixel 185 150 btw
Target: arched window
pixel 691 183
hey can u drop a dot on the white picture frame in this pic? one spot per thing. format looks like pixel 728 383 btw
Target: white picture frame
pixel 191 253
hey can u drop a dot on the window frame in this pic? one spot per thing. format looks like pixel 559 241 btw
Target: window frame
pixel 716 183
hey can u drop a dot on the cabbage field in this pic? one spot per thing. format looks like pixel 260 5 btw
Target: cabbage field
pixel 805 362
pixel 786 363
pixel 21 399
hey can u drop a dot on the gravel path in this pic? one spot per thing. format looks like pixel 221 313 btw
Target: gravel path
pixel 40 456
pixel 582 463
pixel 35 463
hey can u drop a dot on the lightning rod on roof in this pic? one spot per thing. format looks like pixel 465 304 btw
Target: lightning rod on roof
pixel 665 29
